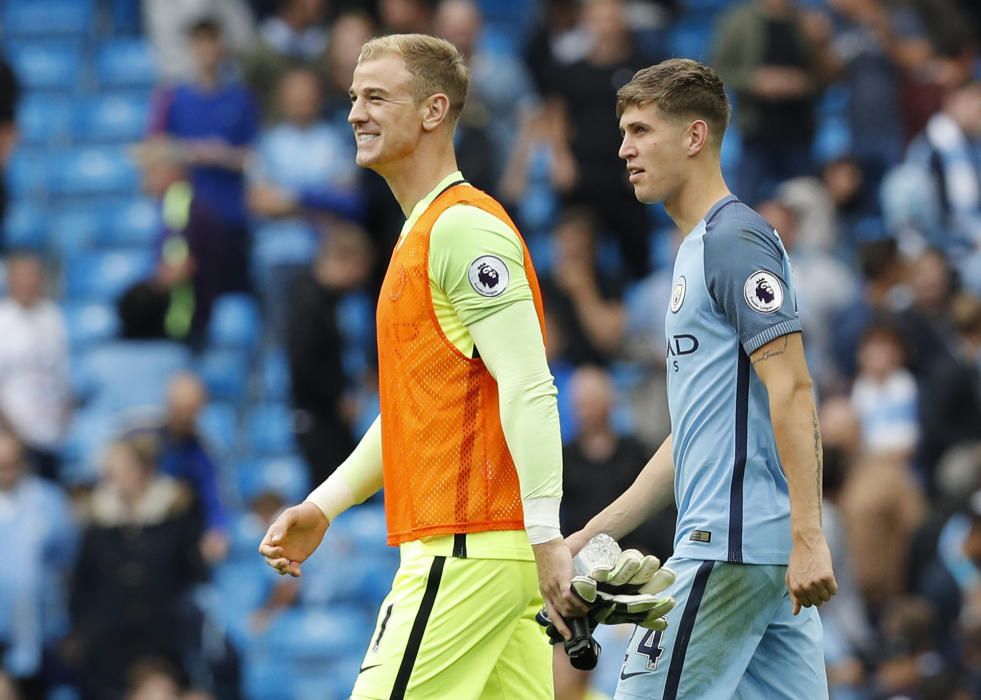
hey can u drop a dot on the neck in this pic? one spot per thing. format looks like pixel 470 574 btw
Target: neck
pixel 703 188
pixel 208 79
pixel 412 178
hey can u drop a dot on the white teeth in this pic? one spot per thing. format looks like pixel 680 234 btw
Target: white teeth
pixel 367 137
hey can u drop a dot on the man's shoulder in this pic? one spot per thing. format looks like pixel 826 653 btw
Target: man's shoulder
pixel 735 225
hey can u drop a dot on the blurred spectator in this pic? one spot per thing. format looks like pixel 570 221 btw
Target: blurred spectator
pixel 588 91
pixel 948 151
pixel 847 633
pixel 36 524
pixel 315 345
pixel 768 59
pixel 644 349
pixel 7 689
pixel 600 465
pixel 909 663
pixel 214 122
pixel 152 679
pixel 295 37
pixel 138 559
pixel 348 33
pixel 854 202
pixel 585 301
pixel 825 287
pixel 133 370
pixel 9 96
pixel 873 44
pixel 557 41
pixel 192 244
pixel 814 210
pixel 167 22
pixel 499 84
pixel 183 455
pixel 950 406
pixel 304 178
pixel 35 395
pixel 884 394
pixel 926 323
pixel 562 371
pixel 539 165
pixel 883 272
pixel 881 506
pixel 406 16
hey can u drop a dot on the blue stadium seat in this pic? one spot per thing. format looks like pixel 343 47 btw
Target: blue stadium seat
pixel 244 533
pixel 27 173
pixel 47 65
pixel 271 429
pixel 225 371
pixel 24 227
pixel 218 424
pixel 275 376
pixel 111 117
pixel 94 171
pixel 285 474
pixel 327 681
pixel 43 119
pixel 130 222
pixel 74 229
pixel 88 434
pixel 46 18
pixel 235 322
pixel 263 677
pixel 316 635
pixel 691 38
pixel 125 63
pixel 106 275
pixel 90 322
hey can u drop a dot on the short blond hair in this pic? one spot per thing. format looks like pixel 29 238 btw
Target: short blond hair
pixel 680 87
pixel 436 65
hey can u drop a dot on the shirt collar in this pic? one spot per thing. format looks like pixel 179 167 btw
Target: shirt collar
pixel 424 203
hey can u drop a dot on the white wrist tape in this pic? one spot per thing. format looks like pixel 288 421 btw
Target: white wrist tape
pixel 542 519
pixel 333 496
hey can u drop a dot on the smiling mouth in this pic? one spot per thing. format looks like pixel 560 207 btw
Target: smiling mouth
pixel 366 138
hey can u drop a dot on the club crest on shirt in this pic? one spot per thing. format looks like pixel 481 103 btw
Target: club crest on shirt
pixel 763 292
pixel 488 276
pixel 678 294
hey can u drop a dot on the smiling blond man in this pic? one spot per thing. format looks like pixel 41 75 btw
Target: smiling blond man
pixel 467 445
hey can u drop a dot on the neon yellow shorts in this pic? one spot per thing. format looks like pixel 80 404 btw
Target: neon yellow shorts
pixel 458 629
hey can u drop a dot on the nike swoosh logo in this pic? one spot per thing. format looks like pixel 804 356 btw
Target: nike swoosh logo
pixel 625 676
pixel 367 668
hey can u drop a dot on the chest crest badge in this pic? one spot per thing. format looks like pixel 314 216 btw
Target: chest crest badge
pixel 678 294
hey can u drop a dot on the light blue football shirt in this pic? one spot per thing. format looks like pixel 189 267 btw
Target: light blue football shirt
pixel 732 293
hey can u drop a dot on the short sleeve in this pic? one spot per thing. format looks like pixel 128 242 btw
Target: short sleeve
pixel 748 276
pixel 478 261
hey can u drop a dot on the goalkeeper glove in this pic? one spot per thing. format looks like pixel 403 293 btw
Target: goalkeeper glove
pixel 627 591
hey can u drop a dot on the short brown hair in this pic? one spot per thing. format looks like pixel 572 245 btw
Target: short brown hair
pixel 435 64
pixel 679 87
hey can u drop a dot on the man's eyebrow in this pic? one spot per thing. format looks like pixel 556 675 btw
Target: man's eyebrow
pixel 633 125
pixel 369 91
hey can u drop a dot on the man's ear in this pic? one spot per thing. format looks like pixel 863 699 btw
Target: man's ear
pixel 437 110
pixel 698 136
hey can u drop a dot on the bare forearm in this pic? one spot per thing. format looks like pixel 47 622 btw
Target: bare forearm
pixel 798 437
pixel 652 491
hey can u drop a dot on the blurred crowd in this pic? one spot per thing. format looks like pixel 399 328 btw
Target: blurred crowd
pixel 856 133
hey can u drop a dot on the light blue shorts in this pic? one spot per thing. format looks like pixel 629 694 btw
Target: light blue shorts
pixel 732 634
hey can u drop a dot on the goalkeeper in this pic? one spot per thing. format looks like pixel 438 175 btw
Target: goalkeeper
pixel 467 445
